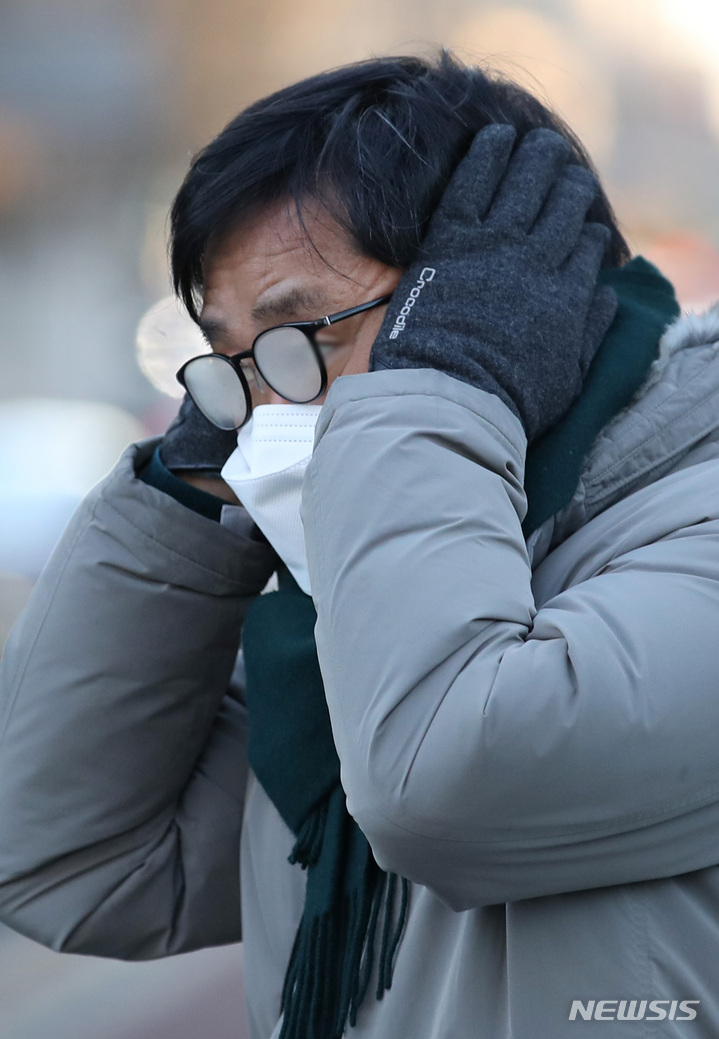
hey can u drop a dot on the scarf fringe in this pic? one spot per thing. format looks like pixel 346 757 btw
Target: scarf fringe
pixel 332 959
pixel 308 845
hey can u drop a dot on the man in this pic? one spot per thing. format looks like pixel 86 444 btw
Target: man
pixel 511 538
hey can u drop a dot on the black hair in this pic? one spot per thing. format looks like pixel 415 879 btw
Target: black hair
pixel 375 141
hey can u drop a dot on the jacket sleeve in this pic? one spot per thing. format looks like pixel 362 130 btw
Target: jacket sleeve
pixel 122 743
pixel 492 750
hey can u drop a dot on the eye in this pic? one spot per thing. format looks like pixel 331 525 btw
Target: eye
pixel 327 346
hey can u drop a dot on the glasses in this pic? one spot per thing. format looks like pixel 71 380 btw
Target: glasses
pixel 287 357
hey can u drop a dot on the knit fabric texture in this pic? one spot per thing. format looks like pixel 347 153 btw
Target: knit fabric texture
pixel 193 442
pixel 504 294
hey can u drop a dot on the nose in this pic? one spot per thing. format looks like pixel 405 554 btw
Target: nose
pixel 274 398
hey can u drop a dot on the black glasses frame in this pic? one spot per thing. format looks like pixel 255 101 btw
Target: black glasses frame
pixel 308 328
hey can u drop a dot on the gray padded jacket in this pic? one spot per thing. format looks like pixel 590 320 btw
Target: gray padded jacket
pixel 528 732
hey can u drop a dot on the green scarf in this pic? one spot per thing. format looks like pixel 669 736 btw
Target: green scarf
pixel 291 750
pixel 292 753
pixel 647 304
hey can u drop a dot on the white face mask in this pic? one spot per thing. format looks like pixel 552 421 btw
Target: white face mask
pixel 266 472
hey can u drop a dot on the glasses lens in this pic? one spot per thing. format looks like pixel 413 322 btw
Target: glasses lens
pixel 217 391
pixel 286 360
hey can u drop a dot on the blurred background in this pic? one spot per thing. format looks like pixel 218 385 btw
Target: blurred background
pixel 102 104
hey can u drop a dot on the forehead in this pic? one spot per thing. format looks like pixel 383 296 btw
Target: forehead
pixel 273 254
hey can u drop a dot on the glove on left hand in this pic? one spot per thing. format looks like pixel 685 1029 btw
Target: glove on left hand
pixel 504 295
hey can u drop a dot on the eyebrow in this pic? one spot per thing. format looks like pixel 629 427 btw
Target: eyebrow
pixel 287 305
pixel 283 307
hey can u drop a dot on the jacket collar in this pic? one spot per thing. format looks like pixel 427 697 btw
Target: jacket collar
pixel 672 421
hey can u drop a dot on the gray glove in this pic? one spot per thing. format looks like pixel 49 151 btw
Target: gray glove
pixel 504 294
pixel 192 442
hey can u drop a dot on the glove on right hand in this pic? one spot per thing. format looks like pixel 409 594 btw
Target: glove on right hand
pixel 192 442
pixel 504 295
